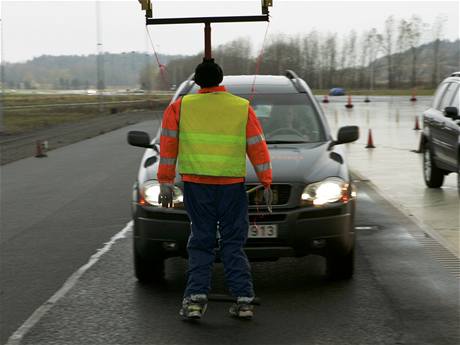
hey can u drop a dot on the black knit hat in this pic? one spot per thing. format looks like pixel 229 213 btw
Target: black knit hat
pixel 208 73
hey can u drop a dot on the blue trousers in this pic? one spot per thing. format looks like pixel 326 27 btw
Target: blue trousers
pixel 223 208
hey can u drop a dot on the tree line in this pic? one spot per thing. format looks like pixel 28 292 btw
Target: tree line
pixel 406 53
pixel 73 72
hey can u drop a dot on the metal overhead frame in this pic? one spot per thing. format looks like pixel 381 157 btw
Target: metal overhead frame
pixel 264 17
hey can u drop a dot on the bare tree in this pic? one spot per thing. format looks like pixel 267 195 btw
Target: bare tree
pixel 343 61
pixel 401 46
pixel 311 51
pixel 387 42
pixel 234 56
pixel 414 36
pixel 352 56
pixel 364 51
pixel 148 78
pixel 373 42
pixel 273 55
pixel 329 58
pixel 437 31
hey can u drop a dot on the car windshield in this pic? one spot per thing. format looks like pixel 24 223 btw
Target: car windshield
pixel 287 118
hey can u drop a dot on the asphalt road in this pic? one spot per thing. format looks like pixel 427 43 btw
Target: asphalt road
pixel 401 293
pixel 56 212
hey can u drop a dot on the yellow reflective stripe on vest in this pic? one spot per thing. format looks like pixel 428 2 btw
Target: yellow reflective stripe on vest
pixel 212 139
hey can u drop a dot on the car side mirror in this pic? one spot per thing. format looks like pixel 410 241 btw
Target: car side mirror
pixel 140 139
pixel 346 134
pixel 451 112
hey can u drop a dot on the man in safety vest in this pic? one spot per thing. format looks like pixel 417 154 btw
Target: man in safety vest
pixel 210 133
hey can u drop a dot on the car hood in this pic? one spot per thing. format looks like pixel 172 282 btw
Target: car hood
pixel 299 163
pixel 304 163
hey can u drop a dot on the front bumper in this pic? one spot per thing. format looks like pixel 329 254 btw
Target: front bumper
pixel 301 231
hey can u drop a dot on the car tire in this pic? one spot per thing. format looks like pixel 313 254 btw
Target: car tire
pixel 433 176
pixel 458 177
pixel 341 267
pixel 150 270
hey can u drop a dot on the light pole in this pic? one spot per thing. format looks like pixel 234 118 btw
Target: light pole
pixel 2 76
pixel 100 57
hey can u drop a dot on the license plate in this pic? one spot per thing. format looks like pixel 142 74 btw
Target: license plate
pixel 263 231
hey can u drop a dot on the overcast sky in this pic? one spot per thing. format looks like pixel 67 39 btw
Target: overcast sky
pixel 34 28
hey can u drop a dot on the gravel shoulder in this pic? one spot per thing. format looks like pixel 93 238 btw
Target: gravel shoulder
pixel 15 147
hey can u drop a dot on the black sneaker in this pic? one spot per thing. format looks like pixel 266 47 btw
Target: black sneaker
pixel 242 309
pixel 194 307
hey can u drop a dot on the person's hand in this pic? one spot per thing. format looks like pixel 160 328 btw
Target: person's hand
pixel 166 194
pixel 268 197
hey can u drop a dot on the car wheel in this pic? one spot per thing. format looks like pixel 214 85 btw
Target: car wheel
pixel 458 177
pixel 341 267
pixel 149 270
pixel 433 176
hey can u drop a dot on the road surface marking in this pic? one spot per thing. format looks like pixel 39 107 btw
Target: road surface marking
pixel 17 336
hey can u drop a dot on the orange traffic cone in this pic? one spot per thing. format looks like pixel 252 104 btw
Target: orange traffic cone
pixel 40 147
pixel 370 141
pixel 417 125
pixel 349 104
pixel 325 99
pixel 413 97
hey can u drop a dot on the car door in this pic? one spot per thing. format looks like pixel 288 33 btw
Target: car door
pixel 432 119
pixel 452 130
pixel 444 131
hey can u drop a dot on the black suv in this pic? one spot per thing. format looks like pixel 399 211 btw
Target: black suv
pixel 314 197
pixel 441 129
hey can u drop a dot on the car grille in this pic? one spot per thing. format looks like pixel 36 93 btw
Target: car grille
pixel 266 218
pixel 281 193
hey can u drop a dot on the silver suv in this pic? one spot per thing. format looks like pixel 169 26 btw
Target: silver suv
pixel 441 129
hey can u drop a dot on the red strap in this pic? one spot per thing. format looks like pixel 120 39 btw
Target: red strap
pixel 258 63
pixel 160 65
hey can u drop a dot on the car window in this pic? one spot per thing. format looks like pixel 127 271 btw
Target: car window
pixel 287 117
pixel 455 101
pixel 438 95
pixel 448 96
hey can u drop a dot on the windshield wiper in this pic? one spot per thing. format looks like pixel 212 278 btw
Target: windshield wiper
pixel 286 142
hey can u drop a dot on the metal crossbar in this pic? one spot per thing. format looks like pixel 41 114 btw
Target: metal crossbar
pixel 225 298
pixel 149 20
pixel 196 20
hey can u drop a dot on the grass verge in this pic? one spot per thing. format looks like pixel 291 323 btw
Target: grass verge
pixel 26 113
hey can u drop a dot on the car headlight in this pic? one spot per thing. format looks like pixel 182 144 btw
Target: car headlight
pixel 330 190
pixel 150 191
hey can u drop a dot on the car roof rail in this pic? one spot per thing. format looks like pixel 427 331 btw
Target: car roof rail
pixel 296 81
pixel 190 82
pixel 191 76
pixel 455 74
pixel 291 74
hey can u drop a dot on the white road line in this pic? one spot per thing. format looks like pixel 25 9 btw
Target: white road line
pixel 17 336
pixel 364 196
pixel 424 227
